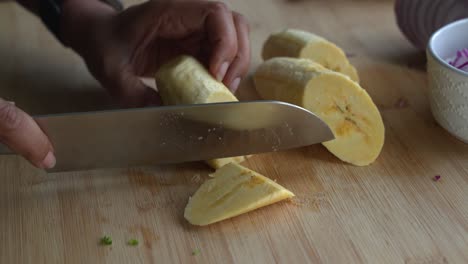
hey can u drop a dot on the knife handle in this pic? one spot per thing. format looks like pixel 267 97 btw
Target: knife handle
pixel 4 150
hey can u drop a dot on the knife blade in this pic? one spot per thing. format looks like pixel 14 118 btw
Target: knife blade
pixel 176 134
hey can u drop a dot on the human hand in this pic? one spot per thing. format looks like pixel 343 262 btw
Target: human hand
pixel 120 47
pixel 22 135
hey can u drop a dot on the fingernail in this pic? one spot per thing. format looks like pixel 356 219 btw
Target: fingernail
pixel 235 84
pixel 11 102
pixel 150 82
pixel 49 161
pixel 222 71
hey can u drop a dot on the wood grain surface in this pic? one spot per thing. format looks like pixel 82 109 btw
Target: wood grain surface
pixel 390 212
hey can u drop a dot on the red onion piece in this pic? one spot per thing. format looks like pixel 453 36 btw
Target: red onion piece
pixel 460 61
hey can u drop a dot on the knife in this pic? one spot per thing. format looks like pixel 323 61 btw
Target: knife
pixel 176 134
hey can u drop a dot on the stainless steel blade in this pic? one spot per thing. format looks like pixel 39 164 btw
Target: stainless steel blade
pixel 176 134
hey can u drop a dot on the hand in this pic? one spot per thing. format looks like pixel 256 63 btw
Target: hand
pixel 22 135
pixel 119 48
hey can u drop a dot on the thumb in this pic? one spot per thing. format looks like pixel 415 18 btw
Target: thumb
pixel 131 91
pixel 22 134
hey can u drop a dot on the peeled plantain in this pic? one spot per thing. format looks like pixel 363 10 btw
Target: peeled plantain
pixel 185 81
pixel 339 101
pixel 301 44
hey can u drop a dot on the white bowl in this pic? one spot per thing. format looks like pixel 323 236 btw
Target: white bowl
pixel 448 86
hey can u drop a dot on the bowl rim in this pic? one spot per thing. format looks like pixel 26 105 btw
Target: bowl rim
pixel 437 57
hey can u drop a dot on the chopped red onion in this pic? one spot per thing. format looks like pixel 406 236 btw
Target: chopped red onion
pixel 402 103
pixel 460 61
pixel 436 178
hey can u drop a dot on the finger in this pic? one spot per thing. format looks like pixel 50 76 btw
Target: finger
pixel 22 135
pixel 130 91
pixel 240 65
pixel 222 36
pixel 152 98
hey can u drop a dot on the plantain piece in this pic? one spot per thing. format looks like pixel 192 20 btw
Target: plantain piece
pixel 351 72
pixel 301 44
pixel 234 190
pixel 339 101
pixel 185 81
pixel 218 163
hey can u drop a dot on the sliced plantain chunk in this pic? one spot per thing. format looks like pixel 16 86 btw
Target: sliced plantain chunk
pixel 301 44
pixel 185 81
pixel 234 190
pixel 340 102
pixel 218 163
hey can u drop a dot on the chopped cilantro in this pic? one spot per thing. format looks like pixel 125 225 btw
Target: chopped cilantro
pixel 196 252
pixel 133 242
pixel 106 240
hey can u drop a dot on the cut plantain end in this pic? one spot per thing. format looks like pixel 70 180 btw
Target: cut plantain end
pixel 218 163
pixel 301 44
pixel 340 102
pixel 234 190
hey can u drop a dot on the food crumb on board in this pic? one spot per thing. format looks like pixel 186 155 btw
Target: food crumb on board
pixel 436 178
pixel 106 240
pixel 196 252
pixel 401 103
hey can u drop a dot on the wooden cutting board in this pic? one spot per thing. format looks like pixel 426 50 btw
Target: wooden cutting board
pixel 390 212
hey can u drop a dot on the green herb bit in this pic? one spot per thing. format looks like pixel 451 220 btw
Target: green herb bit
pixel 106 240
pixel 133 242
pixel 196 252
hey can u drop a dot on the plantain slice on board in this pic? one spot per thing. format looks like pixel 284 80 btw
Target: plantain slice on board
pixel 234 190
pixel 185 81
pixel 301 44
pixel 339 101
